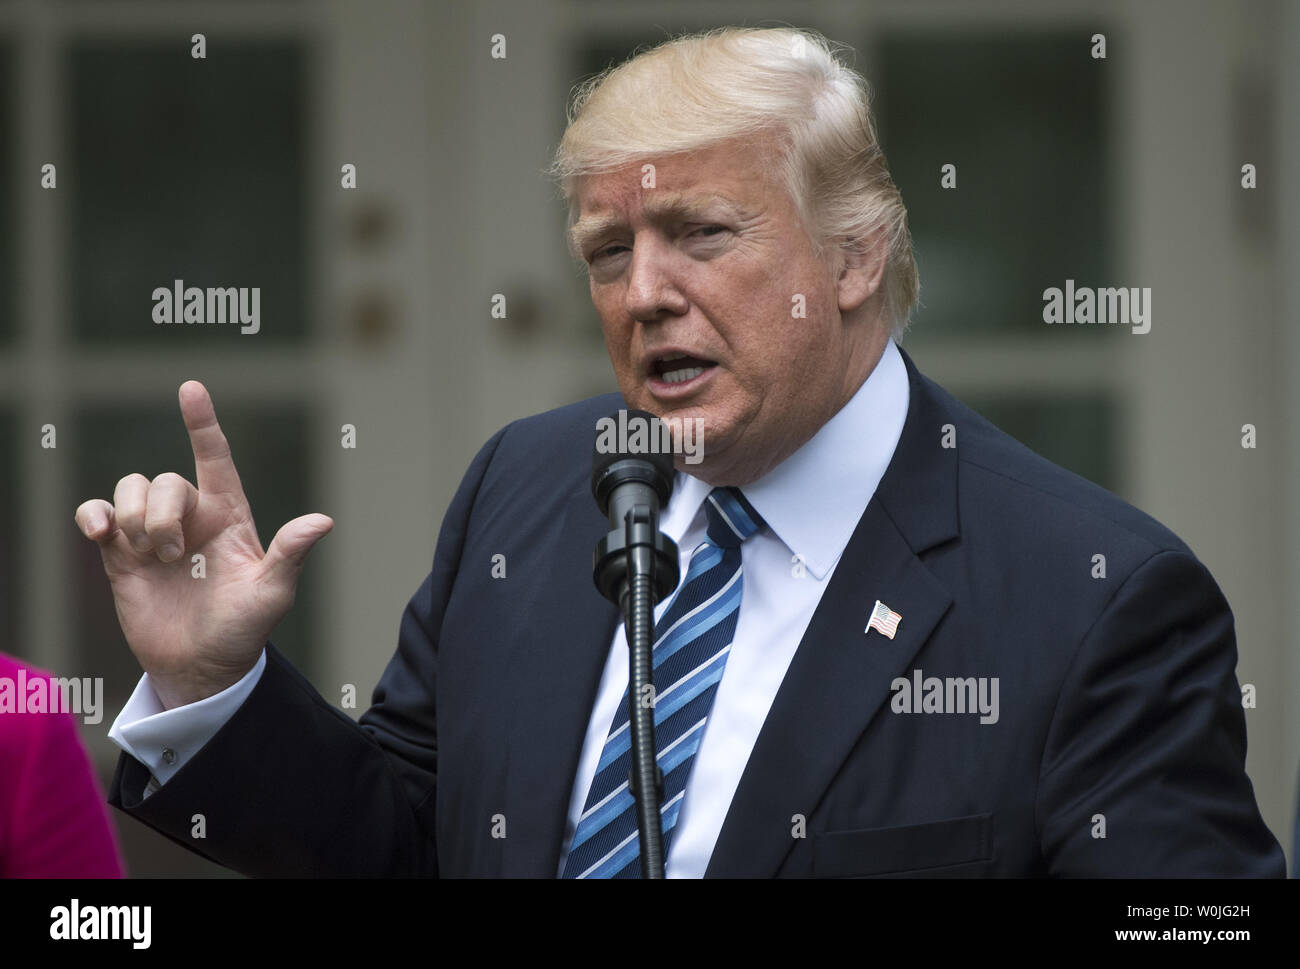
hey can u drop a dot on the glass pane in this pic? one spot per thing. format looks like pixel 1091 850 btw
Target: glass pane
pixel 1077 432
pixel 1023 119
pixel 186 170
pixel 8 214
pixel 10 552
pixel 269 446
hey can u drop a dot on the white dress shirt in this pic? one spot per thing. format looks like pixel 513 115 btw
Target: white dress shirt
pixel 811 503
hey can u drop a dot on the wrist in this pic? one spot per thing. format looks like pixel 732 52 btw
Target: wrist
pixel 178 690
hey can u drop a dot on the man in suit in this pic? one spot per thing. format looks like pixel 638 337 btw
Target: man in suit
pixel 892 651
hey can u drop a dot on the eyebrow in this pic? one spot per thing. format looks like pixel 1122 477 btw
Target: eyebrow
pixel 663 208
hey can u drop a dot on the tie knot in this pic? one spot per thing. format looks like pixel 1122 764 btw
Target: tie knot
pixel 731 518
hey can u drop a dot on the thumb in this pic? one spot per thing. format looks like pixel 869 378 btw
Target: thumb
pixel 288 551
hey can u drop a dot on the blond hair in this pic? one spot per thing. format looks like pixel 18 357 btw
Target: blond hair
pixel 696 90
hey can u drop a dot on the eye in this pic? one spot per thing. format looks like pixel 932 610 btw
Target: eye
pixel 709 230
pixel 607 251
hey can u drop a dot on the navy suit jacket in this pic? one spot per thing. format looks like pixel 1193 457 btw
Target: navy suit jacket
pixel 1120 712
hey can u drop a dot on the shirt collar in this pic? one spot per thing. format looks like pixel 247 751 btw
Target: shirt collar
pixel 813 500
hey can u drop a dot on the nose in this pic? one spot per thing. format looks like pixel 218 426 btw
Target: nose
pixel 652 288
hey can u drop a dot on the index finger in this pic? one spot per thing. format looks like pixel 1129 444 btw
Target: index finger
pixel 214 468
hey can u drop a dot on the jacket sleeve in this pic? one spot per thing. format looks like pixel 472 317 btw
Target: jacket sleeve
pixel 1143 770
pixel 291 786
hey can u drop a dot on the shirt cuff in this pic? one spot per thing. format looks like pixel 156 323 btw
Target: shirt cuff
pixel 164 740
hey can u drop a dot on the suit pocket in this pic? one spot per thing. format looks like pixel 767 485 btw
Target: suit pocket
pixel 956 846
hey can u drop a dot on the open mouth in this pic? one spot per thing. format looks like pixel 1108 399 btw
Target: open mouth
pixel 679 368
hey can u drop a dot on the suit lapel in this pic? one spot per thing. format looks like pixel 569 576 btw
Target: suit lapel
pixel 837 681
pixel 555 681
pixel 840 675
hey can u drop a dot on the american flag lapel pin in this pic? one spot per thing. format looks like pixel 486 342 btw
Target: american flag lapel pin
pixel 884 620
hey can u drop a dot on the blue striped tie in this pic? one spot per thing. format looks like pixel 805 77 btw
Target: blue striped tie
pixel 692 641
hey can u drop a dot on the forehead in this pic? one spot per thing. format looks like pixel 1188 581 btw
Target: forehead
pixel 727 179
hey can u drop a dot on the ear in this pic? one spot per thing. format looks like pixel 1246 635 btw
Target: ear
pixel 862 270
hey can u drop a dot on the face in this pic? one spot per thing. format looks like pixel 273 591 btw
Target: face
pixel 715 305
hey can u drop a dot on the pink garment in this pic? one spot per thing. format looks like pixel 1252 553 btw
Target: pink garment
pixel 54 819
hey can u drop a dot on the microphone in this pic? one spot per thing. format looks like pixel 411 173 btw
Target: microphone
pixel 622 478
pixel 631 475
pixel 635 566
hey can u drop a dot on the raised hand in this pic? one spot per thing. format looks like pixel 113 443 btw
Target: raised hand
pixel 196 636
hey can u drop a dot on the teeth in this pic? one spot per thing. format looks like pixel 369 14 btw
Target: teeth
pixel 681 376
